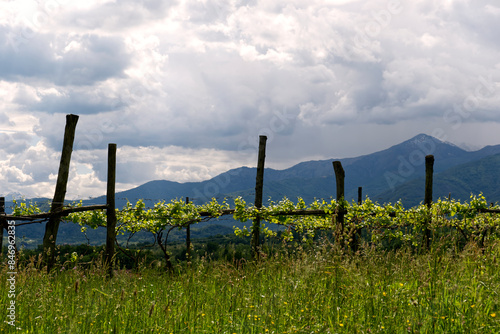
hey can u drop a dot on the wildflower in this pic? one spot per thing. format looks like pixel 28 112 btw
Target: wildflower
pixel 341 324
pixel 493 315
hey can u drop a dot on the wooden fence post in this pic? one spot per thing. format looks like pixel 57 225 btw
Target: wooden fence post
pixel 188 240
pixel 360 197
pixel 52 226
pixel 110 211
pixel 429 170
pixel 259 187
pixel 339 177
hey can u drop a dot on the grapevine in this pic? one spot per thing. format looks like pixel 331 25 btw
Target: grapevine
pixel 473 219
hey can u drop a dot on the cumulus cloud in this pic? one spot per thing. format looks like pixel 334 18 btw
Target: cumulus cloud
pixel 62 59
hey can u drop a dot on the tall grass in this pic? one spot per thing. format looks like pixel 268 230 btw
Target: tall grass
pixel 316 291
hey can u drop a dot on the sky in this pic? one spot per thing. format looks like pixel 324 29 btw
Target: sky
pixel 185 88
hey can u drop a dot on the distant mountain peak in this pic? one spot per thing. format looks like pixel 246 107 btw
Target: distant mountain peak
pixel 417 142
pixel 421 138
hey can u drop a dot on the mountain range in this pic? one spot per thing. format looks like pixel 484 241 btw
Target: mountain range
pixel 385 176
pixel 396 173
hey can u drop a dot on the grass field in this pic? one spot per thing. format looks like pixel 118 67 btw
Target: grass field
pixel 319 290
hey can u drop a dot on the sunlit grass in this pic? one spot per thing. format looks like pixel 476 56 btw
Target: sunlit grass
pixel 319 291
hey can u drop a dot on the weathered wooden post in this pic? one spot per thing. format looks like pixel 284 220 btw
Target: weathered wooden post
pixel 110 211
pixel 259 187
pixel 429 170
pixel 50 236
pixel 188 240
pixel 339 177
pixel 360 193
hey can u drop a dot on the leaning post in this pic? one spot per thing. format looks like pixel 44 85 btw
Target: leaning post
pixel 259 187
pixel 52 226
pixel 110 210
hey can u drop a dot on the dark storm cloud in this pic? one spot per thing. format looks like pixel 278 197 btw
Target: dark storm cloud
pixel 215 98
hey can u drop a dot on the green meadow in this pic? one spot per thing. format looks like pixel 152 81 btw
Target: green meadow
pixel 314 290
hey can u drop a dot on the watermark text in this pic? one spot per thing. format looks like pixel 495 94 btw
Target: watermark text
pixel 11 275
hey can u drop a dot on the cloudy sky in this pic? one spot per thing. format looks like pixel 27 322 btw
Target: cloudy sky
pixel 184 88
